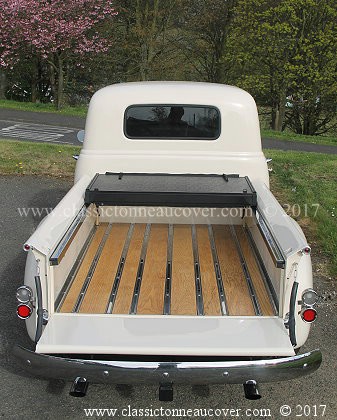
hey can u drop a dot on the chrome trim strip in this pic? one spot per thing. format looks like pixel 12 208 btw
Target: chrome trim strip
pixel 271 242
pixel 138 282
pixel 73 272
pixel 114 290
pixel 218 275
pixel 197 273
pixel 249 281
pixel 264 273
pixel 168 280
pixel 92 268
pixel 153 372
pixel 56 257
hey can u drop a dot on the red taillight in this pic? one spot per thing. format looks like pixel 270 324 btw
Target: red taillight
pixel 24 311
pixel 309 315
pixel 26 247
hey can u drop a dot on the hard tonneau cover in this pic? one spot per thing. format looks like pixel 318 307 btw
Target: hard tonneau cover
pixel 182 190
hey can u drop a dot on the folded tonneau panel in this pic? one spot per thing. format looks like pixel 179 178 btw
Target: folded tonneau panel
pixel 182 190
pixel 160 335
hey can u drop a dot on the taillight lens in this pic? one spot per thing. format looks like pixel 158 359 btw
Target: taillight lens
pixel 309 297
pixel 24 311
pixel 309 315
pixel 24 294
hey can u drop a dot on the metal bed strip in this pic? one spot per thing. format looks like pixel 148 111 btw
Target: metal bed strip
pixel 168 279
pixel 114 290
pixel 197 273
pixel 250 285
pixel 218 275
pixel 138 282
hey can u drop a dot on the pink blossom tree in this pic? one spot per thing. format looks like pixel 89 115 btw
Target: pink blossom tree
pixel 56 31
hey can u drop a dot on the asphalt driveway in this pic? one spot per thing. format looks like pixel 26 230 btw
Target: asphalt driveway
pixel 22 395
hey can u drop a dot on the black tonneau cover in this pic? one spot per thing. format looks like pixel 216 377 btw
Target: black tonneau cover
pixel 181 190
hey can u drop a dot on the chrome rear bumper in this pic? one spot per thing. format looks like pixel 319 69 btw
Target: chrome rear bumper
pixel 154 372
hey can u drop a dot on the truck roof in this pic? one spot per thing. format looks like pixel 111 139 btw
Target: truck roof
pixel 176 92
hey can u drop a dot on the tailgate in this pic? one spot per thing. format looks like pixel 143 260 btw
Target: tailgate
pixel 162 335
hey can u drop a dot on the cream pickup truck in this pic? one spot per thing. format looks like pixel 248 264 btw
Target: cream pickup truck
pixel 169 261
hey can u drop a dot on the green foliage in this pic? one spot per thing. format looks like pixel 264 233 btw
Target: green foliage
pixel 204 38
pixel 287 55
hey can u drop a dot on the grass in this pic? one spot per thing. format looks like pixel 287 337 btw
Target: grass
pixel 285 135
pixel 27 158
pixel 77 111
pixel 305 183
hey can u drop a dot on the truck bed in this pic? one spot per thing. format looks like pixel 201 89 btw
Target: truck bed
pixel 176 269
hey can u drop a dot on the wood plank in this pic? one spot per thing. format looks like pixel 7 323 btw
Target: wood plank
pixel 235 285
pixel 99 289
pixel 208 278
pixel 255 274
pixel 127 283
pixel 183 297
pixel 75 289
pixel 151 299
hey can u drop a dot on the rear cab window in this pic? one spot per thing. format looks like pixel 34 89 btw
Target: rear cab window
pixel 176 122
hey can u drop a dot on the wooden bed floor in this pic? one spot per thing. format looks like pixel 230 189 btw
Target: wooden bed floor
pixel 169 269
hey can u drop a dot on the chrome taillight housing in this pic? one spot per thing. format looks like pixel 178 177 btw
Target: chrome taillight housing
pixel 24 310
pixel 24 296
pixel 308 314
pixel 309 297
pixel 309 300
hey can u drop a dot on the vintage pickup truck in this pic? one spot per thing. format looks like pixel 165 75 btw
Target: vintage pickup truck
pixel 169 261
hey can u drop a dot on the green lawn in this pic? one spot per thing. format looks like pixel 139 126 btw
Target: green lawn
pixel 329 140
pixel 27 158
pixel 306 184
pixel 78 111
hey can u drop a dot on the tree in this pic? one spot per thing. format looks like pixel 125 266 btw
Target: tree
pixel 55 31
pixel 144 32
pixel 206 30
pixel 287 49
pixel 313 92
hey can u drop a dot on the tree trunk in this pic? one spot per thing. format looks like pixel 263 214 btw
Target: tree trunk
pixel 60 84
pixel 3 84
pixel 34 82
pixel 278 113
pixel 53 82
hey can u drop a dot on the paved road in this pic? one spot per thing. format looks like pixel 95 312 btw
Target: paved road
pixel 54 128
pixel 39 126
pixel 24 396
